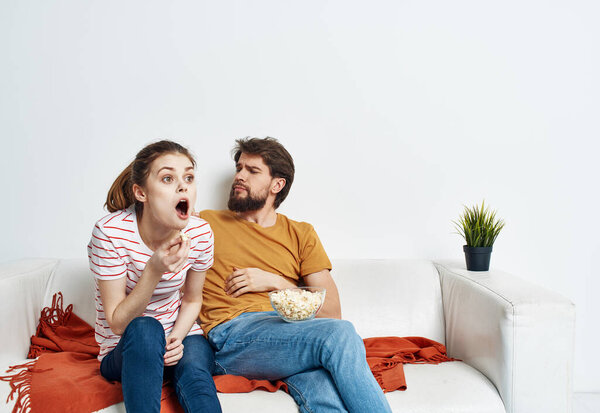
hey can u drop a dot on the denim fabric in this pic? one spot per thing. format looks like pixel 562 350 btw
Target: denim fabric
pixel 263 346
pixel 138 363
pixel 315 392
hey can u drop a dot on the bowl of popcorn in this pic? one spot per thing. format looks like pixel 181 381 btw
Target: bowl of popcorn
pixel 297 304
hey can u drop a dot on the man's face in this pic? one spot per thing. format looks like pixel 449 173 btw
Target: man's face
pixel 251 184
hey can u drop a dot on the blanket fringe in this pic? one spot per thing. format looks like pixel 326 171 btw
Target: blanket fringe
pixel 20 386
pixel 55 316
pixel 20 382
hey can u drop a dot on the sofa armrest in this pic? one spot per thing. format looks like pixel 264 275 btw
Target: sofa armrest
pixel 22 289
pixel 519 335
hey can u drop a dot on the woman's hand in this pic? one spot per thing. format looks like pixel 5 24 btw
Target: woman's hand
pixel 174 351
pixel 171 256
pixel 245 280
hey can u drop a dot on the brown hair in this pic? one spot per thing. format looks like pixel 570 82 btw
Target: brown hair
pixel 120 195
pixel 277 158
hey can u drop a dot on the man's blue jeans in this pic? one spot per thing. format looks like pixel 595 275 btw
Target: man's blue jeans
pixel 322 360
pixel 138 363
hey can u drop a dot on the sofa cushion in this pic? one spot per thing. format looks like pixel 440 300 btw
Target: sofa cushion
pixel 391 297
pixel 446 387
pixel 256 401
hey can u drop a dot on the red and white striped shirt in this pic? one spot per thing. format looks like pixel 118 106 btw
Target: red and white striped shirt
pixel 116 250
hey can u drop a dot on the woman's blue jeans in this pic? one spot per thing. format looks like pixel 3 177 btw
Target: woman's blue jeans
pixel 138 363
pixel 322 360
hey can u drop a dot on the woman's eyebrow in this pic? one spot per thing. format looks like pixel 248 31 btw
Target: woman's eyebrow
pixel 170 168
pixel 166 167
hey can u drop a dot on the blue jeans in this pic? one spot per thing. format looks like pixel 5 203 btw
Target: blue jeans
pixel 137 362
pixel 322 360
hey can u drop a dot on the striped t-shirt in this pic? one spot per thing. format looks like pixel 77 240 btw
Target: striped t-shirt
pixel 116 250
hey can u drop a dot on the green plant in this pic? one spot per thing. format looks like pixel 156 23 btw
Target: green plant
pixel 479 226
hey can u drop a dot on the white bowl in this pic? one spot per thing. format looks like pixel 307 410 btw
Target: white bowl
pixel 297 304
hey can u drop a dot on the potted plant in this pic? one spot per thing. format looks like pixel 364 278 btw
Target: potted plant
pixel 480 228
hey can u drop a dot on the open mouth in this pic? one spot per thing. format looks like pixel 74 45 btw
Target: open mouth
pixel 182 208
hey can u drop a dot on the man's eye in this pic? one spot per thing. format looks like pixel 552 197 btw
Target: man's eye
pixel 167 179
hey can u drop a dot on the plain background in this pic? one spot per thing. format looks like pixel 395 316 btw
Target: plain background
pixel 397 113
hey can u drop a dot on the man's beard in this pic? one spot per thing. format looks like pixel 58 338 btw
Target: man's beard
pixel 250 203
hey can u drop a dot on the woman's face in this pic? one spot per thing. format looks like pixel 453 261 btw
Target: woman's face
pixel 169 194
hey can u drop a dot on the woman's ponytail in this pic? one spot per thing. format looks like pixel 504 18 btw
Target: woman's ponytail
pixel 120 194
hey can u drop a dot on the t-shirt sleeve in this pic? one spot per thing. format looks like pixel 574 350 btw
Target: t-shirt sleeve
pixel 313 257
pixel 105 262
pixel 204 248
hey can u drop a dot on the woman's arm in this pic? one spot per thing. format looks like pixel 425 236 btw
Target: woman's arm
pixel 120 308
pixel 191 304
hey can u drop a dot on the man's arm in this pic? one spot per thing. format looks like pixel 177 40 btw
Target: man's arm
pixel 246 280
pixel 331 307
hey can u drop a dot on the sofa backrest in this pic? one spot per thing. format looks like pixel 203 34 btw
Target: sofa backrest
pixel 73 279
pixel 391 297
pixel 380 297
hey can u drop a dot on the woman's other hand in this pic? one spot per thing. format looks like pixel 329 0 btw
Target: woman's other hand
pixel 174 351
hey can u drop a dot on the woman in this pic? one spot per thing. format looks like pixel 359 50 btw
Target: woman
pixel 149 258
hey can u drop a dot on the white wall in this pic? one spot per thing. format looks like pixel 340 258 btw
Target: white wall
pixel 397 114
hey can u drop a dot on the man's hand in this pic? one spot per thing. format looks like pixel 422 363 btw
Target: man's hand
pixel 174 351
pixel 246 280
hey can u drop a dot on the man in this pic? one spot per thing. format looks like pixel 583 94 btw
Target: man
pixel 258 250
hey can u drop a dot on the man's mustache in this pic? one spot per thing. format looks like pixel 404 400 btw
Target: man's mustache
pixel 238 183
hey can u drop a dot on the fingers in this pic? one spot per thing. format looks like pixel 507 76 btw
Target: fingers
pixel 173 342
pixel 171 361
pixel 236 280
pixel 241 290
pixel 236 273
pixel 178 255
pixel 172 242
pixel 236 284
pixel 183 255
pixel 172 256
pixel 174 351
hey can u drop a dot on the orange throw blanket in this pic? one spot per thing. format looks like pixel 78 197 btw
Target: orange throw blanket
pixel 66 376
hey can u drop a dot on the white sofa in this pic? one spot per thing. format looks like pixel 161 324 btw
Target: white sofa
pixel 515 339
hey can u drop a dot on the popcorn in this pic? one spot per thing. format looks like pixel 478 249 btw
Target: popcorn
pixel 297 304
pixel 184 236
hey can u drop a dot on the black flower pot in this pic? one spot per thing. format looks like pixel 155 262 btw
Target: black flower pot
pixel 478 258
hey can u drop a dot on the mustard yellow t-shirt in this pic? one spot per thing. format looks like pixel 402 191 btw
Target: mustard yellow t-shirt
pixel 288 248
